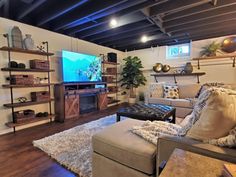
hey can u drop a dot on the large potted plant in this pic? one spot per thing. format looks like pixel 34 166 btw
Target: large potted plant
pixel 132 76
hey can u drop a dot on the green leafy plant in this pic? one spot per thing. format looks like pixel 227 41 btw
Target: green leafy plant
pixel 211 49
pixel 132 76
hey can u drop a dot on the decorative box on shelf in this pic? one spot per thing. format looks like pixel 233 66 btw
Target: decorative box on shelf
pixel 40 96
pixel 107 78
pixel 111 70
pixel 39 64
pixel 112 89
pixel 23 116
pixel 22 79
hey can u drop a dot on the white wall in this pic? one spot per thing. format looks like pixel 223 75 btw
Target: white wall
pixel 57 42
pixel 214 72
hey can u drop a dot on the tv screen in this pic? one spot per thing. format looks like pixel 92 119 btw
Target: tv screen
pixel 78 67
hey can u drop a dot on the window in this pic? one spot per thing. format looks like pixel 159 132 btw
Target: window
pixel 178 51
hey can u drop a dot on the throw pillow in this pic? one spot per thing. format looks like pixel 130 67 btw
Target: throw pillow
pixel 213 84
pixel 156 90
pixel 217 118
pixel 171 91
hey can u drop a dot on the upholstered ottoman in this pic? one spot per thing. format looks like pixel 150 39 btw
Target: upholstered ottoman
pixel 118 152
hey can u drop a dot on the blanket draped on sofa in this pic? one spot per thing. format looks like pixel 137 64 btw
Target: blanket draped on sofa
pixel 150 131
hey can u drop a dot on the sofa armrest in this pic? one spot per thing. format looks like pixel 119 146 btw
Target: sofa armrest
pixel 167 144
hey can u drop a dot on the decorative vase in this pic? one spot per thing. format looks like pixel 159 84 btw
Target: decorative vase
pixel 229 44
pixel 16 36
pixel 188 69
pixel 157 67
pixel 165 68
pixel 28 42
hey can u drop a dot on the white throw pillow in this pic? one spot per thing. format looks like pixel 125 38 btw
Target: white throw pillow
pixel 156 90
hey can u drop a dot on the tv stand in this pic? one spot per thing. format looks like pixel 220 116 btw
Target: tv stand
pixel 74 99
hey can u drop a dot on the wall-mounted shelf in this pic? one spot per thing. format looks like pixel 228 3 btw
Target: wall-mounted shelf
pixel 113 102
pixel 27 70
pixel 36 119
pixel 110 63
pixel 27 103
pixel 26 86
pixel 35 52
pixel 197 74
pixel 232 56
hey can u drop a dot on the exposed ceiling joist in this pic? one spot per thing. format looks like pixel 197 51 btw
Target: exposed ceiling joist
pixel 203 22
pixel 174 6
pixel 86 12
pixel 109 35
pixel 131 33
pixel 105 20
pixel 59 10
pixel 224 11
pixel 31 7
pixel 198 9
pixel 122 21
pixel 219 25
pixel 138 40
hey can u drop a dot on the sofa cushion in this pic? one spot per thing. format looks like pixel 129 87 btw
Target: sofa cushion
pixel 118 143
pixel 165 101
pixel 217 118
pixel 188 90
pixel 185 103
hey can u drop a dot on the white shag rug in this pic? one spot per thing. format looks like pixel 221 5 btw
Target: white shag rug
pixel 72 148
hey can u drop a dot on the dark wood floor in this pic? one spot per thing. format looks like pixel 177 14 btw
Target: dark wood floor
pixel 18 157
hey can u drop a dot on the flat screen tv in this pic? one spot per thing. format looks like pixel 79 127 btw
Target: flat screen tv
pixel 78 67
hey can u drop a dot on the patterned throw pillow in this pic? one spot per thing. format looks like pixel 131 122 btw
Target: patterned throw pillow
pixel 171 91
pixel 156 90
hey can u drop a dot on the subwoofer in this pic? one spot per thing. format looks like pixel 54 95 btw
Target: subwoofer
pixel 112 57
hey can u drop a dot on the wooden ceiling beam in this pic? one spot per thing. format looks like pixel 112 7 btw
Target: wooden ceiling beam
pixel 106 19
pixel 74 18
pixel 108 36
pixel 198 9
pixel 220 25
pixel 31 7
pixel 203 22
pixel 124 36
pixel 60 10
pixel 202 16
pixel 122 21
pixel 174 6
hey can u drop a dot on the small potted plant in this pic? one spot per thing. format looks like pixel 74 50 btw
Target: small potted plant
pixel 211 49
pixel 132 76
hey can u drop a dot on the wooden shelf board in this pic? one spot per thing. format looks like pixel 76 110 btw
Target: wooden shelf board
pixel 114 101
pixel 110 74
pixel 25 86
pixel 36 119
pixel 19 50
pixel 110 63
pixel 28 103
pixel 27 70
pixel 178 74
pixel 215 57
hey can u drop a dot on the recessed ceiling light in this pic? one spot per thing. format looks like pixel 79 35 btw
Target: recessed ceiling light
pixel 113 23
pixel 144 39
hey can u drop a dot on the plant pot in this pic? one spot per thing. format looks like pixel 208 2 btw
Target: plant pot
pixel 132 100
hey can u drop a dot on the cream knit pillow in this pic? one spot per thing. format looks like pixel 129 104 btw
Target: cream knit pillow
pixel 217 118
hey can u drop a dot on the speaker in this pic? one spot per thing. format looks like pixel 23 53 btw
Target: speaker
pixel 112 57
